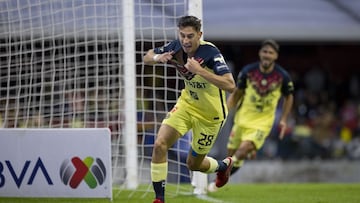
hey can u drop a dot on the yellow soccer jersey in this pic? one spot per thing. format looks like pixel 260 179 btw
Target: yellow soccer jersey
pixel 205 100
pixel 262 94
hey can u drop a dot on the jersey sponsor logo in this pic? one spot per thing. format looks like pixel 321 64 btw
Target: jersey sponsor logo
pixel 197 85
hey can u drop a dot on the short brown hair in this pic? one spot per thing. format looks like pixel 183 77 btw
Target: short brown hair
pixel 191 21
pixel 271 43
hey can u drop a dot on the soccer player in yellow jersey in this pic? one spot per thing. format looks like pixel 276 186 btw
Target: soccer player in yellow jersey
pixel 260 86
pixel 201 106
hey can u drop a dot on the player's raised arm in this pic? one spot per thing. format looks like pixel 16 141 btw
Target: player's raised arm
pixel 151 57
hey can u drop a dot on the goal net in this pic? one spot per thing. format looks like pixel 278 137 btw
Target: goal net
pixel 77 64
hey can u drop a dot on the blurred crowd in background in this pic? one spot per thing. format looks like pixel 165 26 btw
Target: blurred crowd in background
pixel 324 123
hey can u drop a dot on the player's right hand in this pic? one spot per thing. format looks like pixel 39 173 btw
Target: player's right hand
pixel 165 57
pixel 282 126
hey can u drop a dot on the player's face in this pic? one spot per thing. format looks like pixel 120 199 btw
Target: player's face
pixel 267 55
pixel 189 39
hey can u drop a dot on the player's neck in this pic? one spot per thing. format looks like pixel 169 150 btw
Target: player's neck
pixel 189 55
pixel 267 70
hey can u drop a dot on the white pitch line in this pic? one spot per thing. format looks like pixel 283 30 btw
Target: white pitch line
pixel 209 199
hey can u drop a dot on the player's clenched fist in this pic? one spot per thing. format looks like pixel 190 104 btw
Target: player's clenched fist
pixel 193 65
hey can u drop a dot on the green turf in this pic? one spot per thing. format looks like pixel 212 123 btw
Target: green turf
pixel 248 193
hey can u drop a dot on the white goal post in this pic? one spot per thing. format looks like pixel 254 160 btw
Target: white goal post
pixel 77 64
pixel 199 180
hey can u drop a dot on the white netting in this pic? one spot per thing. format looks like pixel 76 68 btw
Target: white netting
pixel 61 66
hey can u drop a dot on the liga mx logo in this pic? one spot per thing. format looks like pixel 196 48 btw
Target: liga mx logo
pixel 91 170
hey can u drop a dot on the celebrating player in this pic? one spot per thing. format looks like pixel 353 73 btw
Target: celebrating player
pixel 260 86
pixel 201 106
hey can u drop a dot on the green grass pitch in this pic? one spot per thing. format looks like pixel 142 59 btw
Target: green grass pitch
pixel 232 193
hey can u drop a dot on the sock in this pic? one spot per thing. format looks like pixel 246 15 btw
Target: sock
pixel 237 164
pixel 222 166
pixel 159 188
pixel 158 177
pixel 234 158
pixel 213 165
